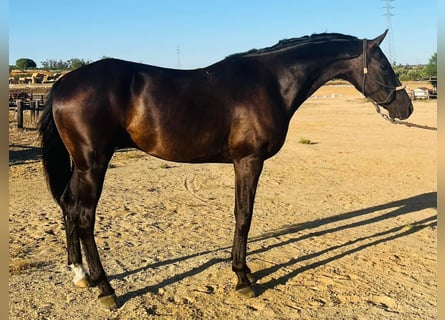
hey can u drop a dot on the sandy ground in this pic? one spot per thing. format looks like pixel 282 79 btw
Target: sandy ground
pixel 344 227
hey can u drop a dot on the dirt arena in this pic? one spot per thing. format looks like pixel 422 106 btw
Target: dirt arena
pixel 344 226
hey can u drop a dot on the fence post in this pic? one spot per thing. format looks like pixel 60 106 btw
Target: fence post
pixel 37 110
pixel 34 108
pixel 19 114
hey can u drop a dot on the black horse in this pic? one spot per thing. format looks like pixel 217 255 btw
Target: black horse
pixel 234 111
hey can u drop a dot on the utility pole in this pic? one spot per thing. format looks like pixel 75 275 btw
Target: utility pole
pixel 389 42
pixel 178 57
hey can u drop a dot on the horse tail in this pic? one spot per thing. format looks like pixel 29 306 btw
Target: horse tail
pixel 56 159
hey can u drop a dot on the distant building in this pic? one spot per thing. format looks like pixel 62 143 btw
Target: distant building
pixel 421 93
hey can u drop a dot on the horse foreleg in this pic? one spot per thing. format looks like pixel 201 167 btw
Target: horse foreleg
pixel 247 172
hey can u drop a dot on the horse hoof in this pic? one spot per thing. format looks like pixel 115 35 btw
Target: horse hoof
pixel 246 292
pixel 82 283
pixel 108 302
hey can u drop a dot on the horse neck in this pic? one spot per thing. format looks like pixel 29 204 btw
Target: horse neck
pixel 300 78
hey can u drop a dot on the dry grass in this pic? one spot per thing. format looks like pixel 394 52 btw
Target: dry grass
pixel 23 265
pixel 305 141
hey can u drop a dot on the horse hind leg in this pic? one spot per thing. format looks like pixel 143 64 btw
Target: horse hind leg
pixel 83 195
pixel 70 212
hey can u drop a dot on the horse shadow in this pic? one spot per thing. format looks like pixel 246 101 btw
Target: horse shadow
pixel 394 209
pixel 28 153
pixel 25 153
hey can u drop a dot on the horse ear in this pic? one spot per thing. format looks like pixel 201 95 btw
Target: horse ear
pixel 377 41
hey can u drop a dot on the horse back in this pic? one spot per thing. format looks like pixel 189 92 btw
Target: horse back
pixel 178 115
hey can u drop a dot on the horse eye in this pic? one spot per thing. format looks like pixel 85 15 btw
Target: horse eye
pixel 384 67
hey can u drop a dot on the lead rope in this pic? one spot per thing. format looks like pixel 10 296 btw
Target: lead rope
pixel 388 98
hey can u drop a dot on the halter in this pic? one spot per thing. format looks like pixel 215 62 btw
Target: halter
pixel 390 96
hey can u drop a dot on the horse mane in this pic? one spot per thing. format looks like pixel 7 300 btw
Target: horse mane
pixel 294 42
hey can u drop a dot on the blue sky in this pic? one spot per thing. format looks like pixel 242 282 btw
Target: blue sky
pixel 206 31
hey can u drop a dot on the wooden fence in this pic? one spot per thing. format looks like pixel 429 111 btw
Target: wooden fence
pixel 20 106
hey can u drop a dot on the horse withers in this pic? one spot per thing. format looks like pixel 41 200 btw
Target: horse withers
pixel 234 111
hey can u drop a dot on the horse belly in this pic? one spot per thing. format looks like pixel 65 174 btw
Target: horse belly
pixel 180 146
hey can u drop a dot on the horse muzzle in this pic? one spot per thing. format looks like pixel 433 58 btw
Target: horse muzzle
pixel 406 112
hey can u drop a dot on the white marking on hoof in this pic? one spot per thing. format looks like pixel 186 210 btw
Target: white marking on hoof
pixel 80 276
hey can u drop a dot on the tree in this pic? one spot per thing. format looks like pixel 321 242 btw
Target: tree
pixel 70 64
pixel 25 63
pixel 55 65
pixel 408 72
pixel 75 63
pixel 431 67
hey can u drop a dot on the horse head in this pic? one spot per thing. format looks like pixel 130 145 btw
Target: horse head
pixel 380 83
